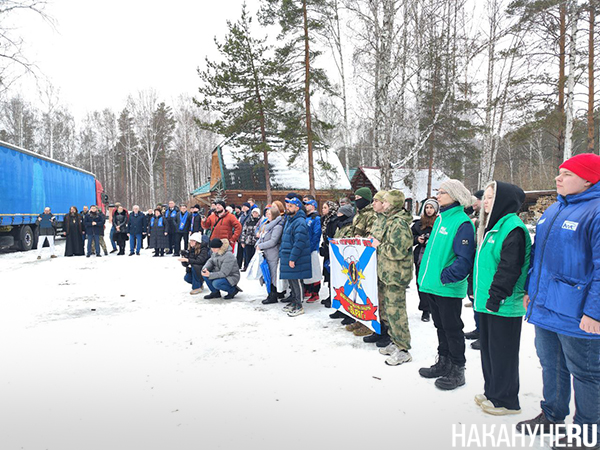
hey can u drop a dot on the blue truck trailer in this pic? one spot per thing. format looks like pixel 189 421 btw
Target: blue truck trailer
pixel 29 182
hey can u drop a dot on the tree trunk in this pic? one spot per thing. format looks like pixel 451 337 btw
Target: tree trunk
pixel 311 175
pixel 590 113
pixel 568 152
pixel 562 43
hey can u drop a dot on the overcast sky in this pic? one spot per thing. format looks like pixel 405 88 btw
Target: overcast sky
pixel 100 52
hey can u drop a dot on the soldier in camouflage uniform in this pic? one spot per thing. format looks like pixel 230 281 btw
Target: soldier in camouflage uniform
pixel 394 272
pixel 383 339
pixel 364 219
pixel 361 227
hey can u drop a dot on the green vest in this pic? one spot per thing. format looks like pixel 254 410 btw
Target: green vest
pixel 486 265
pixel 439 255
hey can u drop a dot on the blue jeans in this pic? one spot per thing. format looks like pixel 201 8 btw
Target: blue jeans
pixel 135 240
pixel 193 279
pixel 112 238
pixel 219 284
pixel 564 356
pixel 96 239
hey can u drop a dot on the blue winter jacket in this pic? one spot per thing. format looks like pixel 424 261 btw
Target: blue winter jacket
pixel 295 246
pixel 313 222
pixel 564 278
pixel 138 223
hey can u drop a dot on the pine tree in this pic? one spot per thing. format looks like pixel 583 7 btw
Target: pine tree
pixel 300 23
pixel 241 89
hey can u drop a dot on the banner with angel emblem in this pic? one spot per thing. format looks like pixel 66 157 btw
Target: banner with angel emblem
pixel 353 266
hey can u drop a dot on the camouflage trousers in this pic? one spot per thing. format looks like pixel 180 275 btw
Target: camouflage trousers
pixel 392 311
pixel 102 245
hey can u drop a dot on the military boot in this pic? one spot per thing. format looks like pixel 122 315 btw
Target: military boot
pixel 439 369
pixel 453 379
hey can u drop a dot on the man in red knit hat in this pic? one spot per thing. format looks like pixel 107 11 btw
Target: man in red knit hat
pixel 563 302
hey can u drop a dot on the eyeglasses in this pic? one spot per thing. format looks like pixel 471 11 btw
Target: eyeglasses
pixel 440 192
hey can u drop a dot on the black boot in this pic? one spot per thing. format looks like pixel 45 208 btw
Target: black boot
pixel 348 320
pixel 537 425
pixel 337 315
pixel 426 316
pixel 281 294
pixel 476 345
pixel 272 297
pixel 452 380
pixel 233 294
pixel 439 369
pixel 215 294
pixel 326 302
pixel 385 337
pixel 472 335
pixel 372 338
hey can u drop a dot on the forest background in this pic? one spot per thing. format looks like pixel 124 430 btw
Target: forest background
pixel 493 89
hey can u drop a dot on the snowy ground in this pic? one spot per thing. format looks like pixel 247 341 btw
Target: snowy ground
pixel 113 353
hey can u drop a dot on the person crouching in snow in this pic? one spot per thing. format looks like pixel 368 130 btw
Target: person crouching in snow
pixel 221 272
pixel 443 274
pixel 294 254
pixel 394 272
pixel 501 266
pixel 563 301
pixel 195 260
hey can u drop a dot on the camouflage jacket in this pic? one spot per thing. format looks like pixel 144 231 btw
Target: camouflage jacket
pixel 394 254
pixel 379 226
pixel 363 222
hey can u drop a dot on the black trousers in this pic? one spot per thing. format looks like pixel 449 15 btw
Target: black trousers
pixel 249 251
pixel 240 256
pixel 445 312
pixel 500 339
pixel 172 238
pixel 178 238
pixel 423 299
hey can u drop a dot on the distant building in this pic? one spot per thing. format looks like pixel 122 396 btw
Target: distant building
pixel 412 183
pixel 238 174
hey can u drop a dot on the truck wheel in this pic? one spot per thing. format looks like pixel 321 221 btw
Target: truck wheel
pixel 26 238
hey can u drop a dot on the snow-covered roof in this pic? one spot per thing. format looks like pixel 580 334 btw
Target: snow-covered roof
pixel 400 180
pixel 328 170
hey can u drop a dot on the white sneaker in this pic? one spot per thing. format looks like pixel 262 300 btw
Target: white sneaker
pixel 398 357
pixel 296 312
pixel 480 398
pixel 389 349
pixel 288 307
pixel 488 407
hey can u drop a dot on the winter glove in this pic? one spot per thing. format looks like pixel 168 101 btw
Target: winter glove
pixel 492 306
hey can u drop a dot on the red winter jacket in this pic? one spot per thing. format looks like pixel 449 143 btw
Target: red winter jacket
pixel 225 227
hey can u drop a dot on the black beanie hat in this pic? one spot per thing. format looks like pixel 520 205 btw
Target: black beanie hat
pixel 216 243
pixel 222 203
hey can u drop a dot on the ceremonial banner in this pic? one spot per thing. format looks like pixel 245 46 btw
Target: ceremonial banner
pixel 354 280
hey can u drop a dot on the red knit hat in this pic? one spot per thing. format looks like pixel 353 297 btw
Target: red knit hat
pixel 586 166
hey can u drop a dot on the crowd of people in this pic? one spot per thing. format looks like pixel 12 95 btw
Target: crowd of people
pixel 462 246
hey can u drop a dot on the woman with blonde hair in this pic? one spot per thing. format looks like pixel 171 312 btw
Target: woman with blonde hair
pixel 499 274
pixel 268 243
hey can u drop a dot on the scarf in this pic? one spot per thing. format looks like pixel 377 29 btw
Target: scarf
pixel 333 207
pixel 160 221
pixel 183 221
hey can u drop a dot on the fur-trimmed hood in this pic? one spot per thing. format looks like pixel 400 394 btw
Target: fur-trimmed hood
pixel 224 247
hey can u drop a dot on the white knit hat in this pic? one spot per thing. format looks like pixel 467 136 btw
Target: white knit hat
pixel 458 192
pixel 196 237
